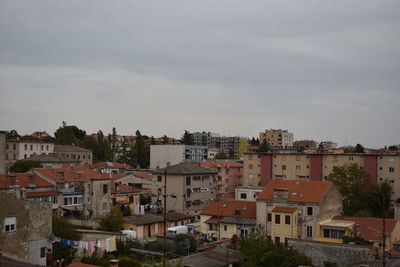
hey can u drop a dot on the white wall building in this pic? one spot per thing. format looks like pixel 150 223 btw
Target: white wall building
pixel 162 156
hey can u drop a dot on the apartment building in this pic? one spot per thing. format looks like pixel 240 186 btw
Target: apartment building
pixel 305 144
pixel 226 218
pixel 277 138
pixel 25 229
pixel 189 188
pixel 292 209
pixel 162 156
pixel 229 176
pixel 83 155
pixel 24 149
pixel 247 193
pixel 260 168
pixel 2 152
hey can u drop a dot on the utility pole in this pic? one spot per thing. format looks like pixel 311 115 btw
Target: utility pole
pixel 165 217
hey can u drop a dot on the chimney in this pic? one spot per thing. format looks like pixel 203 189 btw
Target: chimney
pixel 114 263
pixel 23 193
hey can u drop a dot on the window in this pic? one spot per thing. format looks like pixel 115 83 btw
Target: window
pixel 277 239
pixel 277 219
pixel 79 156
pixel 333 233
pixel 269 217
pixel 225 227
pixel 309 211
pixel 31 147
pixel 10 224
pixel 104 205
pixel 283 167
pixel 15 147
pixel 26 147
pixel 159 178
pixel 309 231
pixel 250 166
pixel 42 252
pixel 105 189
pixel 297 167
pixel 196 178
pixel 243 196
pixel 188 192
pixel 391 169
pixel 287 219
pixel 25 156
pixel 72 200
pixel 47 147
pixel 188 204
pixel 41 147
pixel 251 157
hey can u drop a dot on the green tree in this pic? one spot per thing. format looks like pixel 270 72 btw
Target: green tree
pixel 69 135
pixel 221 155
pixel 140 151
pixel 12 135
pixel 264 147
pixel 359 149
pixel 112 221
pixel 112 145
pixel 187 138
pixel 62 228
pixel 165 140
pixel 258 250
pixel 393 148
pixel 24 166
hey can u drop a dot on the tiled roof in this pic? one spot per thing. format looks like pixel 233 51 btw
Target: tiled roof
pixel 26 180
pixel 143 219
pixel 40 194
pixel 108 165
pixel 66 148
pixel 175 216
pixel 49 158
pixel 370 228
pixel 143 175
pixel 231 208
pixel 221 164
pixel 185 168
pixel 299 191
pixel 236 220
pixel 212 220
pixel 117 188
pixel 72 175
pixel 284 210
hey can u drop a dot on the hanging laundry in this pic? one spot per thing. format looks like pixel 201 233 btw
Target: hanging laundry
pixel 91 247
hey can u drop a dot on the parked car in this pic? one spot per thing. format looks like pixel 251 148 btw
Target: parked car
pixel 130 234
pixel 182 229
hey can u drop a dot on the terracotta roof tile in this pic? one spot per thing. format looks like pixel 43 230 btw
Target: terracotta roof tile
pixel 143 175
pixel 221 164
pixel 72 175
pixel 79 264
pixel 298 191
pixel 370 228
pixel 22 179
pixel 224 208
pixel 284 210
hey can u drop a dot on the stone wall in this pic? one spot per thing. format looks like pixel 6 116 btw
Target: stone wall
pixel 342 254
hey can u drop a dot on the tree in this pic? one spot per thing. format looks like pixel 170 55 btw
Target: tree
pixel 12 135
pixel 140 152
pixel 24 166
pixel 187 138
pixel 113 145
pixel 221 155
pixel 264 147
pixel 165 140
pixel 62 228
pixel 359 149
pixel 258 250
pixel 112 221
pixel 69 135
pixel 393 148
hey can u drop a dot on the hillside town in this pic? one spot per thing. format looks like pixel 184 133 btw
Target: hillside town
pixel 202 199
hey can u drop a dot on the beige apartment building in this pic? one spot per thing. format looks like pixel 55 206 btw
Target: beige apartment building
pixel 24 149
pixel 190 187
pixel 277 138
pixel 260 168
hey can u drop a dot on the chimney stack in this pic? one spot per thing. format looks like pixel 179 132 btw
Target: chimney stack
pixel 114 263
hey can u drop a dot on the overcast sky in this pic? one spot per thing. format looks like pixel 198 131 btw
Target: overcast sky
pixel 324 70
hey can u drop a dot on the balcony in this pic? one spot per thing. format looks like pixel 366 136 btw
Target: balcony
pixel 69 190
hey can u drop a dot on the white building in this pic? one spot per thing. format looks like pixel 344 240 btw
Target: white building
pixel 162 156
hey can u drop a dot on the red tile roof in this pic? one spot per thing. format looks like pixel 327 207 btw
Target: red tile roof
pixel 284 210
pixel 117 188
pixel 370 228
pixel 22 179
pixel 143 175
pixel 213 220
pixel 72 175
pixel 299 191
pixel 221 164
pixel 40 194
pixel 228 208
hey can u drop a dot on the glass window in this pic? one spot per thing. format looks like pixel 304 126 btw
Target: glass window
pixel 10 224
pixel 269 217
pixel 309 211
pixel 287 219
pixel 309 231
pixel 277 218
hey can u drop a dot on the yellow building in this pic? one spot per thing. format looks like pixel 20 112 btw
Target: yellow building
pixel 277 138
pixel 226 218
pixel 243 147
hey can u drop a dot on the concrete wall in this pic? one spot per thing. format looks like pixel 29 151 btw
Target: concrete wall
pixel 2 152
pixel 343 255
pixel 266 169
pixel 160 155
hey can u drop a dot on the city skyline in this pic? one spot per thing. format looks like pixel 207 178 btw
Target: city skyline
pixel 324 70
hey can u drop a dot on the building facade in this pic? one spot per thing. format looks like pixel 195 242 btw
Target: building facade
pixel 24 149
pixel 162 156
pixel 2 152
pixel 261 168
pixel 277 138
pixel 25 229
pixel 292 209
pixel 190 187
pixel 83 155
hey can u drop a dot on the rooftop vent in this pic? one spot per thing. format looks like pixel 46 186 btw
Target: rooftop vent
pixel 293 194
pixel 237 211
pixel 224 205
